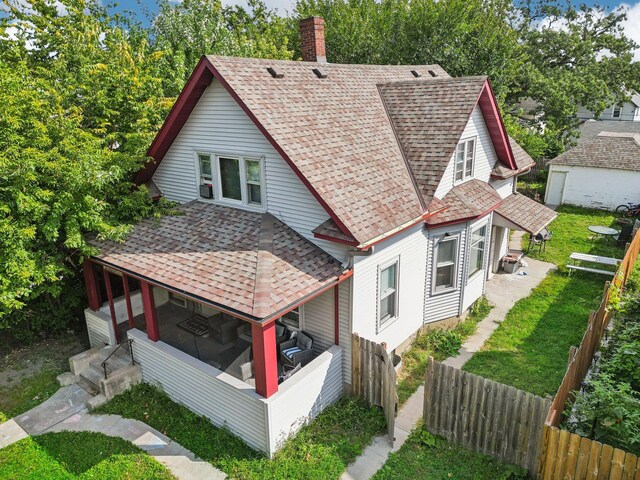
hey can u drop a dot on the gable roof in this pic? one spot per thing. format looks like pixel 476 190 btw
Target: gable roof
pixel 469 200
pixel 333 130
pixel 619 151
pixel 522 159
pixel 247 262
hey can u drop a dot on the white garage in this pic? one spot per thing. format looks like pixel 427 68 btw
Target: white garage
pixel 602 172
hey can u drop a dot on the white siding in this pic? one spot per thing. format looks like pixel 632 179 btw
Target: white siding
pixel 345 328
pixel 301 398
pixel 99 328
pixel 223 399
pixel 319 321
pixel 475 285
pixel 218 125
pixel 444 305
pixel 503 187
pixel 485 157
pixel 410 248
pixel 263 423
pixel 628 113
pixel 598 187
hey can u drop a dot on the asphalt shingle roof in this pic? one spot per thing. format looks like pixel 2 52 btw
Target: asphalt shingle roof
pixel 429 117
pixel 620 151
pixel 592 128
pixel 468 200
pixel 526 213
pixel 246 261
pixel 336 132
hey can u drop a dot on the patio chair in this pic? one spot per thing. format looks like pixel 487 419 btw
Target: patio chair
pixel 223 328
pixel 540 239
pixel 288 373
pixel 299 349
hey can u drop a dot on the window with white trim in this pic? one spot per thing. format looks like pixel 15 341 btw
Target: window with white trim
pixel 465 157
pixel 293 318
pixel 616 112
pixel 206 175
pixel 446 259
pixel 387 293
pixel 476 250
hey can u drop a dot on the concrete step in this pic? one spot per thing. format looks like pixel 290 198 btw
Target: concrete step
pixel 87 386
pixel 117 361
pixel 96 402
pixel 93 375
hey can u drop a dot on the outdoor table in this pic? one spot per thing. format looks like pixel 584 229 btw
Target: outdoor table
pixel 603 231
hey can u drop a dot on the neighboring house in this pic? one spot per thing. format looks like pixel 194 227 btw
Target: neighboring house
pixel 591 128
pixel 328 199
pixel 601 172
pixel 627 111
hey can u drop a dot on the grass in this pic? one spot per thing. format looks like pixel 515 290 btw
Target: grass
pixel 435 343
pixel 530 347
pixel 28 374
pixel 71 455
pixel 416 460
pixel 321 450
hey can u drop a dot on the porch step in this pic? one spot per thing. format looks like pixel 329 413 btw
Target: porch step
pixel 87 386
pixel 117 361
pixel 92 375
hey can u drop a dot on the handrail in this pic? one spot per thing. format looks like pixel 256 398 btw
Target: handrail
pixel 128 347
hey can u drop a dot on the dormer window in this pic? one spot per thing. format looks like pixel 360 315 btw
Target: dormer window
pixel 465 158
pixel 238 179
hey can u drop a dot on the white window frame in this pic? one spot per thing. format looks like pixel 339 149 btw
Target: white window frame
pixel 201 180
pixel 454 284
pixel 613 111
pixel 384 323
pixel 244 189
pixel 300 320
pixel 465 146
pixel 472 275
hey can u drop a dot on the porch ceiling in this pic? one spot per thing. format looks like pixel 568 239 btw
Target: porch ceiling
pixel 523 213
pixel 248 262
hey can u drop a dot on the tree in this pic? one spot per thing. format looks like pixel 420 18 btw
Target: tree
pixel 194 28
pixel 82 95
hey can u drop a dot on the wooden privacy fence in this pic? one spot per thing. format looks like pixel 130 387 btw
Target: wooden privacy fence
pixel 568 455
pixel 580 358
pixel 374 378
pixel 483 415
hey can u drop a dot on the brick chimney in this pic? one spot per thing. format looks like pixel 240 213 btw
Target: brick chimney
pixel 312 39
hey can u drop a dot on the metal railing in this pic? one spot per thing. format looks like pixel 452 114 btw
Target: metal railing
pixel 128 347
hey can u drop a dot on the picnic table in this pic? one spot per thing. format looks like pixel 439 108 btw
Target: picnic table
pixel 585 257
pixel 603 231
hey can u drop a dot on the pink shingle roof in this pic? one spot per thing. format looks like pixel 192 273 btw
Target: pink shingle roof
pixel 526 213
pixel 465 201
pixel 245 261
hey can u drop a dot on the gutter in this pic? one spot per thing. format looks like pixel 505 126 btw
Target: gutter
pixel 380 238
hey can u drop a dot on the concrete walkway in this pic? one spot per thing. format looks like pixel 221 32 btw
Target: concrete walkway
pixel 66 411
pixel 502 291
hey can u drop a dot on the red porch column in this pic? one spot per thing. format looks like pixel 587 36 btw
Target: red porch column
pixel 112 308
pixel 127 299
pixel 149 311
pixel 265 359
pixel 91 284
pixel 336 315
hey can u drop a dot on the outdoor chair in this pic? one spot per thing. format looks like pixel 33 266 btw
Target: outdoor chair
pixel 223 328
pixel 540 239
pixel 288 373
pixel 297 350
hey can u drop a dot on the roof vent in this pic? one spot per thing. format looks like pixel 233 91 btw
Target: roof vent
pixel 319 74
pixel 416 74
pixel 274 74
pixel 432 73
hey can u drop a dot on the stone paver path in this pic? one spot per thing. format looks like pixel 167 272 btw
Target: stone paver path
pixel 502 291
pixel 66 411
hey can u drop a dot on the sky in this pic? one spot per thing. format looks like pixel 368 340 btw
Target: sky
pixel 141 7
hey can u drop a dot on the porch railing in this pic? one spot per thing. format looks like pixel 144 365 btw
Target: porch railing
pixel 128 348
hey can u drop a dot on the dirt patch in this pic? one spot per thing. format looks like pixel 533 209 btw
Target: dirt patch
pixel 51 354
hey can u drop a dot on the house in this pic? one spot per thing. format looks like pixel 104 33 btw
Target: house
pixel 316 198
pixel 601 172
pixel 592 128
pixel 628 111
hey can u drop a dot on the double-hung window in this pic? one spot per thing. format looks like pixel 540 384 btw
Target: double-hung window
pixel 446 257
pixel 616 112
pixel 465 154
pixel 387 293
pixel 476 250
pixel 239 180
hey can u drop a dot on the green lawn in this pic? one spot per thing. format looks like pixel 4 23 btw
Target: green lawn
pixel 442 461
pixel 77 455
pixel 321 450
pixel 438 344
pixel 530 347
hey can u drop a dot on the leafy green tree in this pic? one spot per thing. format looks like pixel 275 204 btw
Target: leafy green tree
pixel 194 28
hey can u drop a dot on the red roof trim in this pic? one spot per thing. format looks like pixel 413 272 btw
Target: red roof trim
pixel 186 102
pixel 336 240
pixel 463 220
pixel 491 113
